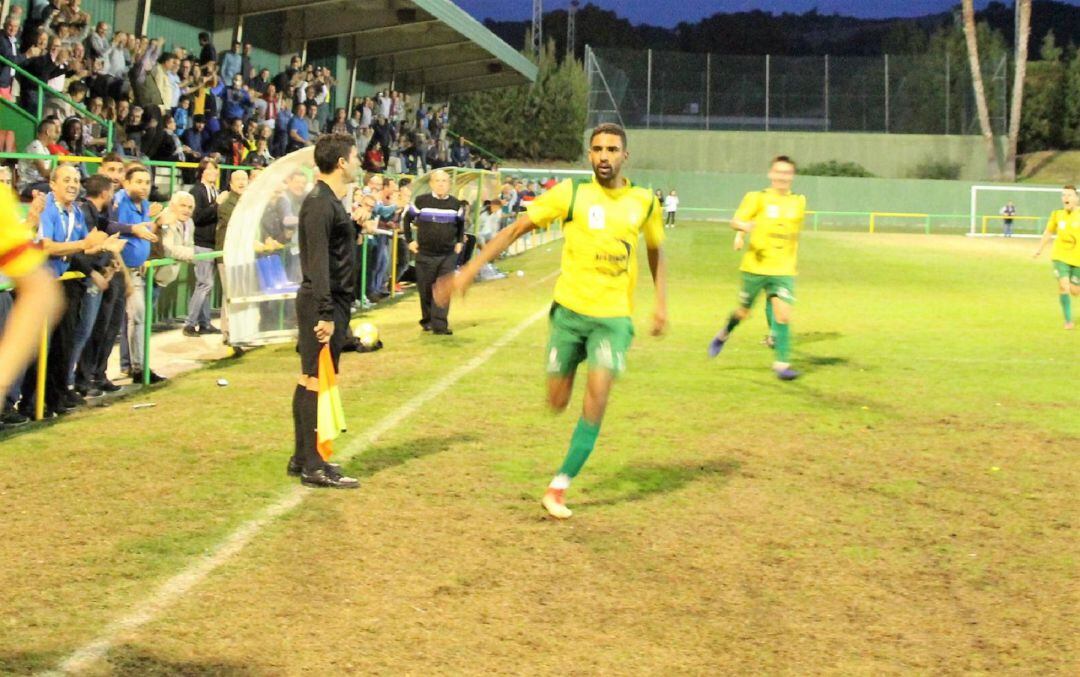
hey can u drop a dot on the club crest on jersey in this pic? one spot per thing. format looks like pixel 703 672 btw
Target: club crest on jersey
pixel 597 218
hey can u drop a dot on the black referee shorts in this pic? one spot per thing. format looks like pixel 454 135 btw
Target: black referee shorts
pixel 307 345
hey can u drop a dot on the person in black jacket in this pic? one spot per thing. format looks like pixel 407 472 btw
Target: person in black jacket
pixel 9 50
pixel 440 236
pixel 327 236
pixel 206 221
pixel 44 68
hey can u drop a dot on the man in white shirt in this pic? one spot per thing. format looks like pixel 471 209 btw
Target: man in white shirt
pixel 671 205
pixel 35 174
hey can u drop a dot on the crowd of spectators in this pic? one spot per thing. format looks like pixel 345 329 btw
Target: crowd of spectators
pixel 183 105
pixel 107 219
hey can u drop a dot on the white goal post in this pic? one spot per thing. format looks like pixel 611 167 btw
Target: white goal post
pixel 978 226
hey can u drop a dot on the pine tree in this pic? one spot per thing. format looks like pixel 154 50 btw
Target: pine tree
pixel 542 121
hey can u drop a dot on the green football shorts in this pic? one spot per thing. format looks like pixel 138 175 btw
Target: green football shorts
pixel 604 341
pixel 1064 270
pixel 780 286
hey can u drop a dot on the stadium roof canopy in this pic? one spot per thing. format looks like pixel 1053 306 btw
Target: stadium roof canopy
pixel 428 43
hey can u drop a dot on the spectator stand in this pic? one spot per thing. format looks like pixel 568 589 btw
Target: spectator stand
pixel 25 133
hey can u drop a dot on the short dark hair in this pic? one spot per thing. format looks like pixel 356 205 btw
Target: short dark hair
pixel 133 169
pixel 333 147
pixel 783 158
pixel 204 36
pixel 47 121
pixel 1071 187
pixel 97 184
pixel 113 157
pixel 609 128
pixel 197 118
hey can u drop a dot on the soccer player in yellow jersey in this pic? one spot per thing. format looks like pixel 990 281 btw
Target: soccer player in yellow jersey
pixel 603 218
pixel 773 218
pixel 1064 229
pixel 37 297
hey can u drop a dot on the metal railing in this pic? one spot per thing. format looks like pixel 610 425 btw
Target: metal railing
pixel 870 221
pixel 44 88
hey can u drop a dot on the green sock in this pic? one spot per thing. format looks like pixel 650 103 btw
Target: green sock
pixel 769 317
pixel 581 445
pixel 1066 306
pixel 783 342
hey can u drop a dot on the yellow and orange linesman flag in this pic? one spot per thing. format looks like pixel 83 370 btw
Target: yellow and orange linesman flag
pixel 331 417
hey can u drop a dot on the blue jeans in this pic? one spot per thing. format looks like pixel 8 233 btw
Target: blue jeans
pixel 380 278
pixel 87 316
pixel 199 306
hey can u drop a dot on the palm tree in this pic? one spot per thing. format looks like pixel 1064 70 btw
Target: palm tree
pixel 1022 37
pixel 980 91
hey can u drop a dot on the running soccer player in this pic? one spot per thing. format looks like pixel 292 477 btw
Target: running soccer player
pixel 590 317
pixel 1064 229
pixel 773 218
pixel 39 299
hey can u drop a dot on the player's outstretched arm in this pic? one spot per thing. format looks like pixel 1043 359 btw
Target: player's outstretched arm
pixel 38 301
pixel 1046 238
pixel 460 282
pixel 658 267
pixel 742 226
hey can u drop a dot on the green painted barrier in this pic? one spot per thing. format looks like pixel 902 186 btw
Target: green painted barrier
pixel 148 325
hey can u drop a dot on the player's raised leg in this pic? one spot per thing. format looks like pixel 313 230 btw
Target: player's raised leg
pixel 752 286
pixel 582 442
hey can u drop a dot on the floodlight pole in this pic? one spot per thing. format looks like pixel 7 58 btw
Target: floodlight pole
pixel 827 124
pixel 768 86
pixel 648 93
pixel 886 93
pixel 708 88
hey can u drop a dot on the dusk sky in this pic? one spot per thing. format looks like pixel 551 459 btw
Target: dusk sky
pixel 645 11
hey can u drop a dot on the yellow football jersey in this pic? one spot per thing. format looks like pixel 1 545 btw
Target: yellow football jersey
pixel 774 242
pixel 601 229
pixel 1066 227
pixel 18 253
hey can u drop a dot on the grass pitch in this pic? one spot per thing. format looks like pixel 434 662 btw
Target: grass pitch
pixel 909 506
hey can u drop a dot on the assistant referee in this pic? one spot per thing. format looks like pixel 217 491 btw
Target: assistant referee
pixel 327 239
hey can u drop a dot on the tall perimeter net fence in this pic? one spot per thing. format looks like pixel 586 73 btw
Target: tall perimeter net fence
pixel 904 94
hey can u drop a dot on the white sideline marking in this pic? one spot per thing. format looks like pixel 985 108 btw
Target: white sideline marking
pixel 174 588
